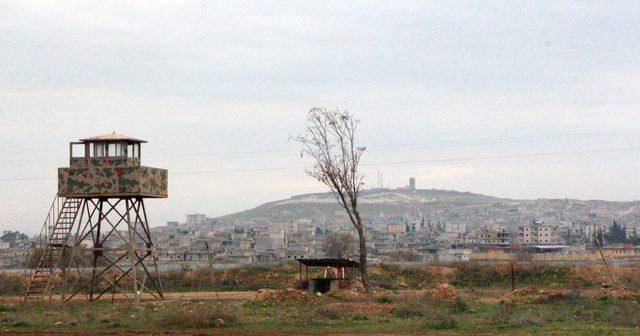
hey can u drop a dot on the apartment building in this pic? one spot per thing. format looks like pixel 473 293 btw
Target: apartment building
pixel 538 233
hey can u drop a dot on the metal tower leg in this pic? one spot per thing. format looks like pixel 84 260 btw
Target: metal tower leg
pixel 114 243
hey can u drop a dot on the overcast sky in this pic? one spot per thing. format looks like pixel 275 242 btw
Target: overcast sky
pixel 461 95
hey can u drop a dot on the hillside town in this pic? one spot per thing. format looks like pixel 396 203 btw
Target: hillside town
pixel 483 229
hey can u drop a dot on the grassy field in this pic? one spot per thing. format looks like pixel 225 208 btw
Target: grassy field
pixel 457 299
pixel 383 276
pixel 393 312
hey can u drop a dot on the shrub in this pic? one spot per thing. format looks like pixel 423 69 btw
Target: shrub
pixel 407 311
pixel 459 306
pixel 384 299
pixel 605 298
pixel 328 313
pixel 476 275
pixel 396 277
pixel 246 278
pixel 11 284
pixel 196 319
pixel 383 281
pixel 13 322
pixel 361 318
pixel 442 323
pixel 504 314
pixel 4 308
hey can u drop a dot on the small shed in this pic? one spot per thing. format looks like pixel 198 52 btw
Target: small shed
pixel 334 272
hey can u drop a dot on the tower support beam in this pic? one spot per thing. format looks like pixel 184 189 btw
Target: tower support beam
pixel 113 251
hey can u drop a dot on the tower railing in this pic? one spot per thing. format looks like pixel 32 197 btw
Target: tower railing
pixel 43 237
pixel 50 245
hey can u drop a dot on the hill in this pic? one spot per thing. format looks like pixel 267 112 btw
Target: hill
pixel 446 205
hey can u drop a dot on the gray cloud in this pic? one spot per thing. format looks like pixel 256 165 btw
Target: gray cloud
pixel 199 78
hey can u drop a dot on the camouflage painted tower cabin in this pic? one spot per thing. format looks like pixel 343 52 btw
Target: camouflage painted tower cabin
pixel 97 242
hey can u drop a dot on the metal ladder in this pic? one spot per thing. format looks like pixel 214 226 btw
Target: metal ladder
pixel 56 243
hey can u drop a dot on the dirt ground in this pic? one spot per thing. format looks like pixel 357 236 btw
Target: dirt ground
pixel 223 332
pixel 523 294
pixel 167 296
pixel 250 295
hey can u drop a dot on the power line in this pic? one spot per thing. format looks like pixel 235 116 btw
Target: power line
pixel 491 141
pixel 419 145
pixel 514 156
pixel 414 145
pixel 382 163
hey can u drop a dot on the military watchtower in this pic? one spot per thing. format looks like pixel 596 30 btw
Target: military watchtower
pixel 97 240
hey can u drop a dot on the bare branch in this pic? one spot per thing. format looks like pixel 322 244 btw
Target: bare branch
pixel 329 140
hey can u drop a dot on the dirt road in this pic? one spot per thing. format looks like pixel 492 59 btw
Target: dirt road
pixel 249 295
pixel 167 296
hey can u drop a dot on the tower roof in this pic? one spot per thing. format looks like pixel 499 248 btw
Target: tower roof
pixel 112 137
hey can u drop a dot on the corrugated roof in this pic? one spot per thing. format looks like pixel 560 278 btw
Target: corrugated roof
pixel 329 262
pixel 112 137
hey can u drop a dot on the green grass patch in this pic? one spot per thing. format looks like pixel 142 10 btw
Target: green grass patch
pixel 405 314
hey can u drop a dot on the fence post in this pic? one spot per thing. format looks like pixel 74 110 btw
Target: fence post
pixel 513 279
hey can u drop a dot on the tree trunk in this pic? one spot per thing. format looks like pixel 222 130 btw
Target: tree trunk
pixel 363 252
pixel 363 261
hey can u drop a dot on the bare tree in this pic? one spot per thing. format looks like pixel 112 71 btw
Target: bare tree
pixel 338 245
pixel 330 141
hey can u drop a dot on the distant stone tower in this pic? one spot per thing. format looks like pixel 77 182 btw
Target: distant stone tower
pixel 97 240
pixel 412 183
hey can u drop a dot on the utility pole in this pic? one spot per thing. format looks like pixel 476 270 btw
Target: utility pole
pixel 604 260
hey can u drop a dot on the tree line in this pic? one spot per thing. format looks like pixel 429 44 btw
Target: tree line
pixel 615 234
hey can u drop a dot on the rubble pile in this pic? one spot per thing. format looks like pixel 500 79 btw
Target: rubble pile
pixel 621 293
pixel 279 295
pixel 445 291
pixel 531 294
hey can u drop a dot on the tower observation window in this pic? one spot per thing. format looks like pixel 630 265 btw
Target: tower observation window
pixel 99 150
pixel 77 150
pixel 116 150
pixel 133 150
